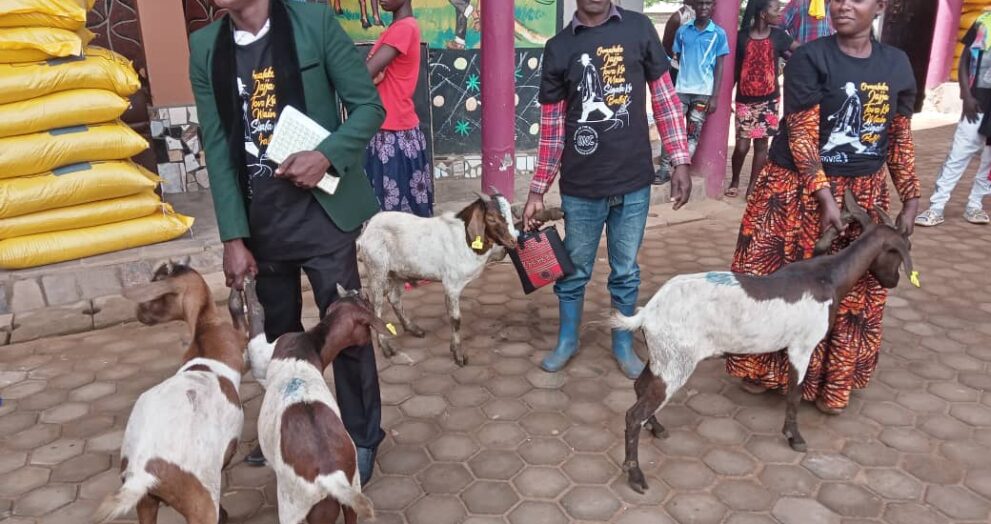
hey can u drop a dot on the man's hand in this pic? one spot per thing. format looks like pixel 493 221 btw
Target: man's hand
pixel 831 216
pixel 534 205
pixel 711 105
pixel 681 186
pixel 379 78
pixel 304 169
pixel 238 263
pixel 970 108
pixel 906 219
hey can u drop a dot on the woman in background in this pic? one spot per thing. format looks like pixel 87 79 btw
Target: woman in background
pixel 396 159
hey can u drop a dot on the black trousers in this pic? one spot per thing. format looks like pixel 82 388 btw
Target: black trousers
pixel 461 26
pixel 355 375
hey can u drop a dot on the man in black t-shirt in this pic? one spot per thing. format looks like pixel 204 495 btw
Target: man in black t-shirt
pixel 973 130
pixel 593 96
pixel 274 223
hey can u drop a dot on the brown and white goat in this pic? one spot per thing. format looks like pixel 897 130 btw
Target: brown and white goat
pixel 452 248
pixel 704 315
pixel 299 425
pixel 183 431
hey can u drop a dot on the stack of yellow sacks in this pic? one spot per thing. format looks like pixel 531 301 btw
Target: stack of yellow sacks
pixel 971 10
pixel 67 187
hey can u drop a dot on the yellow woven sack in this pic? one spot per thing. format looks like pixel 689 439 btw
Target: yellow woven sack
pixel 68 108
pixel 40 152
pixel 34 44
pixel 99 69
pixel 73 185
pixel 59 246
pixel 63 14
pixel 83 215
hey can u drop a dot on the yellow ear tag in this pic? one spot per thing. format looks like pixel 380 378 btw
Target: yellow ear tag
pixel 914 279
pixel 477 243
pixel 391 328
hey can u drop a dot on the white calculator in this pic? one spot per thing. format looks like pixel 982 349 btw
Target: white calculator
pixel 295 132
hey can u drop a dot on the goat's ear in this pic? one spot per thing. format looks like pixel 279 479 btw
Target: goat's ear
pixel 474 218
pixel 186 261
pixel 885 219
pixel 378 325
pixel 857 212
pixel 149 291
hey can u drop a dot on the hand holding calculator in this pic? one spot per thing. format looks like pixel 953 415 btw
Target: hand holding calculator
pixel 296 132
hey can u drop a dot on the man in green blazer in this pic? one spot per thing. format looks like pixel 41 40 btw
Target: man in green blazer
pixel 245 69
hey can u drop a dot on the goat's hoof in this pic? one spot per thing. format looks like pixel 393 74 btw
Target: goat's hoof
pixel 459 358
pixel 796 442
pixel 658 431
pixel 416 331
pixel 636 480
pixel 223 516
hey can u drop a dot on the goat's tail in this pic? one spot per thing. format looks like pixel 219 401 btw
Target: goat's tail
pixel 624 323
pixel 337 486
pixel 124 499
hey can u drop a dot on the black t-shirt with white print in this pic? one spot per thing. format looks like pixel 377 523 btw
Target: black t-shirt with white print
pixel 602 73
pixel 286 222
pixel 857 97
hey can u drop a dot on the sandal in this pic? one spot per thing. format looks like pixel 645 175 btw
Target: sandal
pixel 929 218
pixel 732 192
pixel 976 216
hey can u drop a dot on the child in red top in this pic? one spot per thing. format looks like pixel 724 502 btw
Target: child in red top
pixel 760 47
pixel 396 159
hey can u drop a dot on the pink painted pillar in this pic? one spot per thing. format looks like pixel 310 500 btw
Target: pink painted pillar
pixel 498 97
pixel 710 157
pixel 944 42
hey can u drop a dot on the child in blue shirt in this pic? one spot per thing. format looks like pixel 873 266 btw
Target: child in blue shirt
pixel 700 49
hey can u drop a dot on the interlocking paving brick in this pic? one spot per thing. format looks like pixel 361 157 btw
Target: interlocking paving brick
pixel 489 498
pixel 44 500
pixel 392 493
pixel 911 513
pixel 462 419
pixel 38 435
pixel 452 447
pixel 849 500
pixel 544 451
pixel 589 469
pixel 531 512
pixel 444 478
pixel 403 460
pixel 958 503
pixel 743 495
pixel 504 409
pixel 590 503
pixel 729 462
pixel 686 474
pixel 500 435
pixel 790 510
pixel 700 508
pixel 495 464
pixel 831 466
pixel 437 509
pixel 546 423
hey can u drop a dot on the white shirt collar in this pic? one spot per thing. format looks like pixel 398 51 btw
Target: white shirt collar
pixel 246 38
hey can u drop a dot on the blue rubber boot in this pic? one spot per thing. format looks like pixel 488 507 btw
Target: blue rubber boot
pixel 622 347
pixel 366 463
pixel 567 336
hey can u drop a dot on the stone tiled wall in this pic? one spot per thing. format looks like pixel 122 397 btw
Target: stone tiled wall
pixel 177 143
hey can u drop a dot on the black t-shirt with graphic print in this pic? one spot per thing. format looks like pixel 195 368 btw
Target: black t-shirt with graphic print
pixel 857 98
pixel 286 223
pixel 602 73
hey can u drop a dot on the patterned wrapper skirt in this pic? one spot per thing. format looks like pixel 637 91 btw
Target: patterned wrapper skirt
pixel 780 226
pixel 397 167
pixel 757 119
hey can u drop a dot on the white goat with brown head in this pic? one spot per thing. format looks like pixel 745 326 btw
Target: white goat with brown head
pixel 452 249
pixel 183 431
pixel 695 317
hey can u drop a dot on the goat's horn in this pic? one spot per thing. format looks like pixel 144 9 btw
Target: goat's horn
pixel 186 261
pixel 857 212
pixel 885 218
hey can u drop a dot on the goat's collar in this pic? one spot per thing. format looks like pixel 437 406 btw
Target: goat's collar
pixel 216 367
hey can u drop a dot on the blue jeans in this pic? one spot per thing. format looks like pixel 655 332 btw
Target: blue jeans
pixel 695 116
pixel 625 218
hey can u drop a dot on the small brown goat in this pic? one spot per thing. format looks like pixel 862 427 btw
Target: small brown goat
pixel 299 426
pixel 198 404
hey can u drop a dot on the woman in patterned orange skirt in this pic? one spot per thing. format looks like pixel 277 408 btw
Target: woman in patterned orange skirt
pixel 848 105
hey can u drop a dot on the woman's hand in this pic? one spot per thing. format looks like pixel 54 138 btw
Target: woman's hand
pixel 831 216
pixel 906 219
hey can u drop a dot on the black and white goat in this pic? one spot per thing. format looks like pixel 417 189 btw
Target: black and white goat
pixel 699 316
pixel 299 425
pixel 183 431
pixel 452 248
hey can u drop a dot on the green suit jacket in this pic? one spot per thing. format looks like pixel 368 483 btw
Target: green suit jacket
pixel 330 70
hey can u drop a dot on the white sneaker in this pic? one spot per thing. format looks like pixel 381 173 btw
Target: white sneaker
pixel 976 216
pixel 929 218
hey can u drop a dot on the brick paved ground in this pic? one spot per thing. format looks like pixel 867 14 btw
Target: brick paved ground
pixel 501 441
